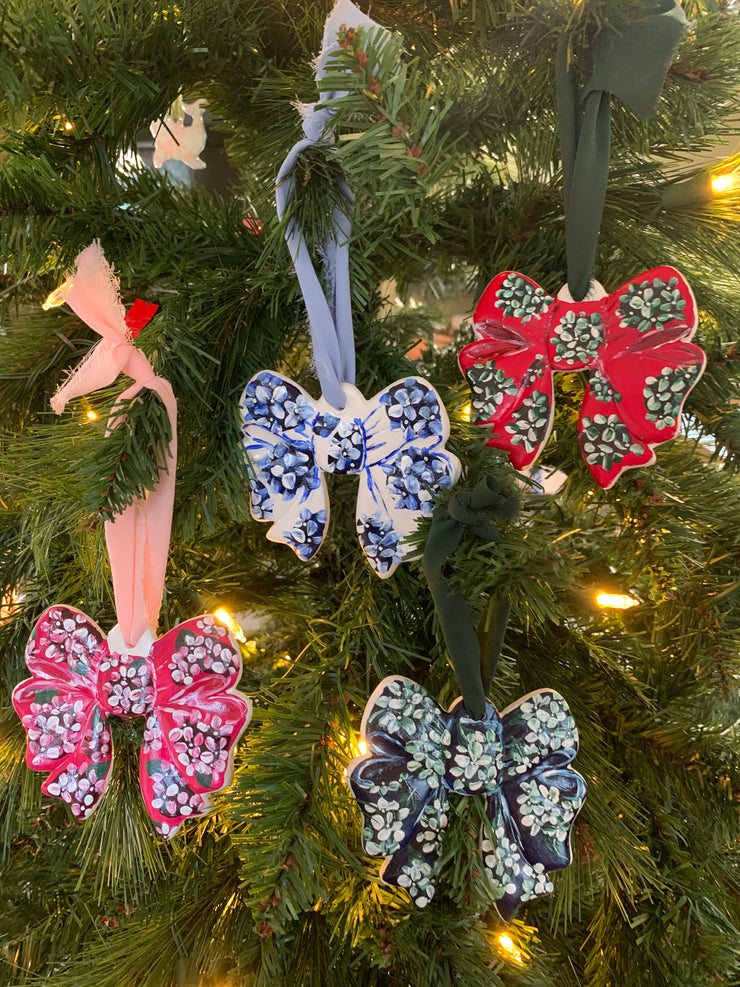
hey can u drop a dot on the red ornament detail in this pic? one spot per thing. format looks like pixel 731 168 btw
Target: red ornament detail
pixel 139 315
pixel 634 345
pixel 185 687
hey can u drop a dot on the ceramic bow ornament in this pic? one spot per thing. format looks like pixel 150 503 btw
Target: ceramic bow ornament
pixel 519 761
pixel 634 345
pixel 184 683
pixel 394 441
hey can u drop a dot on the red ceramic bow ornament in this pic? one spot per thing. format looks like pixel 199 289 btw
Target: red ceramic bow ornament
pixel 185 686
pixel 633 344
pixel 185 682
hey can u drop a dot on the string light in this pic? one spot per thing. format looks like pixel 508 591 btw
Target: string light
pixel 228 621
pixel 68 125
pixel 57 297
pixel 362 747
pixel 723 183
pixel 509 948
pixel 616 601
pixel 91 416
pixel 466 412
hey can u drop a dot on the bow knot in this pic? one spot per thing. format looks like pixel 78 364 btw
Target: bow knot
pixel 518 760
pixel 185 687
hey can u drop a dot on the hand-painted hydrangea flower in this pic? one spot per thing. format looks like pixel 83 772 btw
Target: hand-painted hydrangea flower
pixel 275 404
pixel 521 298
pixel 413 478
pixel 413 406
pixel 380 542
pixel 649 304
pixel 519 760
pixel 577 337
pixel 307 533
pixel 288 469
pixel 605 441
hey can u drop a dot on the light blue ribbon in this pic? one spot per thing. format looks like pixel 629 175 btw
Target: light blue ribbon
pixel 330 314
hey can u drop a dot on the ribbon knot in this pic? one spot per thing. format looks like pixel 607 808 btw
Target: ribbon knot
pixel 185 687
pixel 633 344
pixel 519 760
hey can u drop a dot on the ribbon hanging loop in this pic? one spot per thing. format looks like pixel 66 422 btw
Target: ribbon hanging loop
pixel 138 539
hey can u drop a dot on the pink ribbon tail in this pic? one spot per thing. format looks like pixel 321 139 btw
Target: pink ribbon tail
pixel 138 539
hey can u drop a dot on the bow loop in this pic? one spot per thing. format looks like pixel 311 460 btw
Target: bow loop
pixel 185 687
pixel 418 753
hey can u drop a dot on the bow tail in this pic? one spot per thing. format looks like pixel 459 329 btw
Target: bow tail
pixel 515 878
pixel 195 724
pixel 512 391
pixel 412 867
pixel 169 797
pixel 634 402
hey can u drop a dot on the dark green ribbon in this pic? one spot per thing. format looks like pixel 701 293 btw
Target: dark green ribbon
pixel 631 64
pixel 474 654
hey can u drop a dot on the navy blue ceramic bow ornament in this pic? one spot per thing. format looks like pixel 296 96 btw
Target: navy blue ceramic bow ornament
pixel 519 760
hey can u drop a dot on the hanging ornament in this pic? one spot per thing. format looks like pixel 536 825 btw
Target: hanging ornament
pixel 180 135
pixel 634 343
pixel 184 683
pixel 394 441
pixel 518 760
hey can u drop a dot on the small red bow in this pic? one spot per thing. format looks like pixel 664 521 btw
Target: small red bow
pixel 634 344
pixel 185 687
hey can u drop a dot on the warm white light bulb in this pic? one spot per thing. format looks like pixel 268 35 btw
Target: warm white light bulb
pixel 57 297
pixel 228 621
pixel 723 183
pixel 616 601
pixel 508 947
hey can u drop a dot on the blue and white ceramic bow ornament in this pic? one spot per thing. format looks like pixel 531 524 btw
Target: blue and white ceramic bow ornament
pixel 395 441
pixel 519 760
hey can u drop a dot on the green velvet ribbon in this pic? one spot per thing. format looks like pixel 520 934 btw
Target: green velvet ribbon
pixel 631 64
pixel 473 653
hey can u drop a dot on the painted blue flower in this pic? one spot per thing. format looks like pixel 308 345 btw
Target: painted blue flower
pixel 276 404
pixel 288 468
pixel 414 476
pixel 346 448
pixel 260 502
pixel 413 405
pixel 325 424
pixel 307 534
pixel 519 760
pixel 379 540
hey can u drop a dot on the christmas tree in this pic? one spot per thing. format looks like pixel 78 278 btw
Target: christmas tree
pixel 446 129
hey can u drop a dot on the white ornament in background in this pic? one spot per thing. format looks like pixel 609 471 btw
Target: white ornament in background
pixel 180 135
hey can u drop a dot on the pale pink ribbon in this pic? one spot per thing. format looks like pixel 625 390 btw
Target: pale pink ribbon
pixel 138 540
